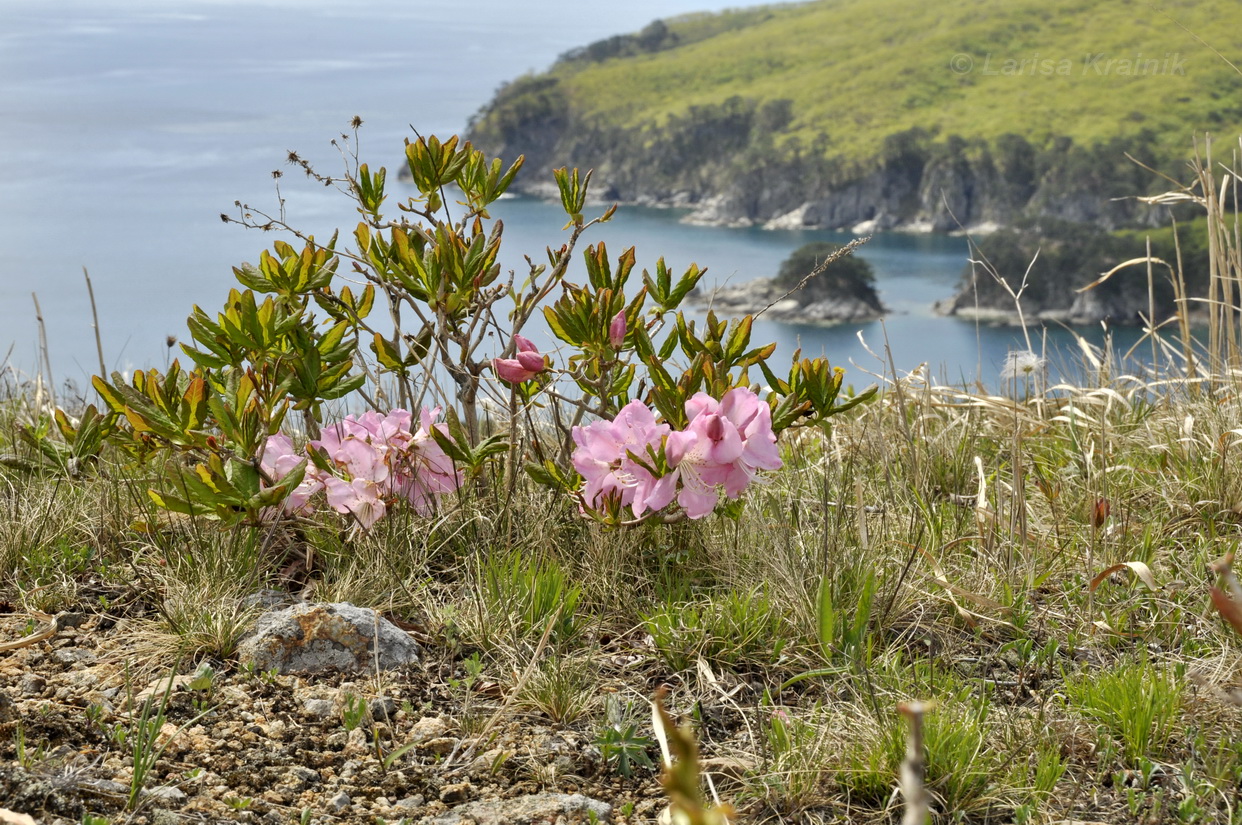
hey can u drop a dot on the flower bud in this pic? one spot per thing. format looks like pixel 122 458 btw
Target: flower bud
pixel 616 330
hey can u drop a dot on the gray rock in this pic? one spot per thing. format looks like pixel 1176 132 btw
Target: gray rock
pixel 318 708
pixel 32 685
pixel 67 620
pixel 528 810
pixel 412 802
pixel 340 802
pixel 357 739
pixel 428 728
pixel 22 791
pixel 302 777
pixel 167 794
pixel 382 709
pixel 82 678
pixel 311 638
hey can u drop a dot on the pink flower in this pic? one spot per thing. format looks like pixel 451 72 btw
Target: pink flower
pixel 724 444
pixel 525 365
pixel 604 457
pixel 278 460
pixel 616 330
pixel 426 472
pixel 361 498
pixel 375 458
pixel 753 419
pixel 357 447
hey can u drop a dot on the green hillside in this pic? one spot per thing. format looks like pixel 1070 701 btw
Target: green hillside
pixel 859 70
pixel 843 82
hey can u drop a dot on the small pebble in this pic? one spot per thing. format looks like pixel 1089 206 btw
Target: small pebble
pixel 67 620
pixel 304 775
pixel 382 709
pixel 69 656
pixel 318 708
pixel 168 794
pixel 340 802
pixel 428 728
pixel 442 746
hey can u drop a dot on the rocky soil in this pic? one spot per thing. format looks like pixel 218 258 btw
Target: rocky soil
pixel 248 745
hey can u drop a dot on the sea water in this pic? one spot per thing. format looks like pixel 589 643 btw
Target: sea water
pixel 128 126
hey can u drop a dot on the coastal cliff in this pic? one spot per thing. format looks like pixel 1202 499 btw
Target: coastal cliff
pixel 715 162
pixel 819 115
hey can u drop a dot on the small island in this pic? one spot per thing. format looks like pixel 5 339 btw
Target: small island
pixel 844 292
pixel 1060 259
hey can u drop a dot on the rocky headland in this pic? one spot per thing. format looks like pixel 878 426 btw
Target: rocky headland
pixel 778 303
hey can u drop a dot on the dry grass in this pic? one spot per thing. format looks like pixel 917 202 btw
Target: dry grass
pixel 1011 558
pixel 981 599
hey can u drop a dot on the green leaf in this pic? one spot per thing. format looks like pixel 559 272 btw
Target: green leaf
pixel 108 393
pixel 332 338
pixel 739 339
pixel 688 282
pixel 332 391
pixel 826 618
pixel 559 328
pixel 366 301
pixel 670 344
pixel 387 354
pixel 550 475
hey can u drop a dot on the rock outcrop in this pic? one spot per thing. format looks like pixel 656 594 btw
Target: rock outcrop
pixel 798 307
pixel 915 181
pixel 309 638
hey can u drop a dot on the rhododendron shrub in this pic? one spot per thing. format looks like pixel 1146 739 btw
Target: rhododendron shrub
pixel 637 406
pixel 364 463
pixel 633 461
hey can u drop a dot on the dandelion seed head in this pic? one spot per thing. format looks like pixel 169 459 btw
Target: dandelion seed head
pixel 1023 363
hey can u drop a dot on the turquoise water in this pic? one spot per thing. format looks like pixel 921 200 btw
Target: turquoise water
pixel 130 125
pixel 912 272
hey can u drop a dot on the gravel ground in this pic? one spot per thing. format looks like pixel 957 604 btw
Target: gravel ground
pixel 262 747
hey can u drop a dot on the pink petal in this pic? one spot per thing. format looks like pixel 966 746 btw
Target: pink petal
pixel 699 404
pixel 740 406
pixel 678 445
pixel 697 504
pixel 655 495
pixel 511 370
pixel 531 361
pixel 724 441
